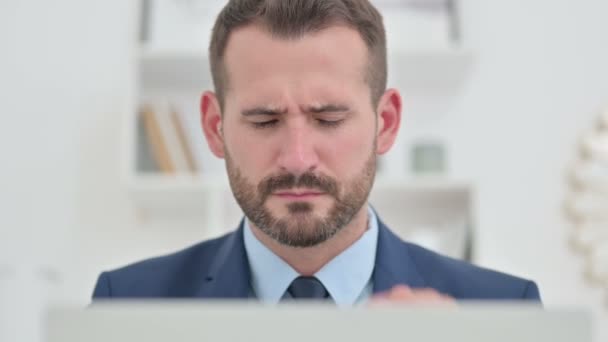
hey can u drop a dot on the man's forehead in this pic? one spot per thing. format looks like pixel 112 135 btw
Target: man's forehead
pixel 255 43
pixel 259 33
pixel 254 57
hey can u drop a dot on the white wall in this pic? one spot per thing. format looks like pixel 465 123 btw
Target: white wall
pixel 62 66
pixel 539 80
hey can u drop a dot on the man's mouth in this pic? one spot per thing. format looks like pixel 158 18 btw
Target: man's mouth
pixel 298 194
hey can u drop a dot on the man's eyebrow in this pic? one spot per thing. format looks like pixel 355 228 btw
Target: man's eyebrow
pixel 262 111
pixel 328 108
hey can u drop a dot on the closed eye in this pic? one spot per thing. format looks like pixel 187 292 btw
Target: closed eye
pixel 329 123
pixel 265 124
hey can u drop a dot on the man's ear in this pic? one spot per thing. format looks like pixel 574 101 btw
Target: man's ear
pixel 389 120
pixel 211 120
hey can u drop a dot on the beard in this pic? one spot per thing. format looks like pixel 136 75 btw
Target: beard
pixel 301 227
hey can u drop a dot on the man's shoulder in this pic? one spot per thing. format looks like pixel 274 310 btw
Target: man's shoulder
pixel 199 253
pixel 464 280
pixel 171 275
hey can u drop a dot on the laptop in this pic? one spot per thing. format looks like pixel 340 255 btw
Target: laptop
pixel 189 321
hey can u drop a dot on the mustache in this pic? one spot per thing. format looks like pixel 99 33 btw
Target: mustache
pixel 287 181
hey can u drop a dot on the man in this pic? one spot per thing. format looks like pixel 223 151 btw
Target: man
pixel 300 112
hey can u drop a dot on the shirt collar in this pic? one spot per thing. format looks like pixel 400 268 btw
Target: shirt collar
pixel 270 275
pixel 345 277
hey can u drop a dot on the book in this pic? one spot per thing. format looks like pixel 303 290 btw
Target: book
pixel 170 137
pixel 180 129
pixel 156 140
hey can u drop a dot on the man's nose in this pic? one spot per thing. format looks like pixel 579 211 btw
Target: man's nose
pixel 298 154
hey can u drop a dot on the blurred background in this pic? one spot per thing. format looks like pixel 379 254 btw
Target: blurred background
pixel 501 160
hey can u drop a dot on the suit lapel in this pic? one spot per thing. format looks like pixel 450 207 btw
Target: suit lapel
pixel 394 265
pixel 229 274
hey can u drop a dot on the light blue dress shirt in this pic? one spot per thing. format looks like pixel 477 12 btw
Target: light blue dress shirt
pixel 347 277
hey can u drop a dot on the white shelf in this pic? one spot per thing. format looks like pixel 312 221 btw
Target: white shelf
pixel 434 212
pixel 166 195
pixel 428 70
pixel 174 69
pixel 201 182
pixel 177 197
pixel 154 182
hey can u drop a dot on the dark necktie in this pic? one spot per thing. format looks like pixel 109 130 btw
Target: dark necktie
pixel 307 288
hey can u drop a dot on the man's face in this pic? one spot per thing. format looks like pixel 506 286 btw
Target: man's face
pixel 299 131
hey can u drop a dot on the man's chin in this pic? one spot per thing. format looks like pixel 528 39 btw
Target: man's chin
pixel 301 237
pixel 297 210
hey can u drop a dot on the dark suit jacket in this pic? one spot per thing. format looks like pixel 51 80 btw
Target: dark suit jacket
pixel 219 269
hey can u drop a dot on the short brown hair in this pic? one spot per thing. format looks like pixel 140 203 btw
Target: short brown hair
pixel 291 19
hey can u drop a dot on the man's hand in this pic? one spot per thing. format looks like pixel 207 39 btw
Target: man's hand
pixel 407 295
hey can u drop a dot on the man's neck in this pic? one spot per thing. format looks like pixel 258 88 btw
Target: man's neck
pixel 308 261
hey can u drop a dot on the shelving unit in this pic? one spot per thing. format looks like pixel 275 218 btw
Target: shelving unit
pixel 155 192
pixel 411 206
pixel 427 70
